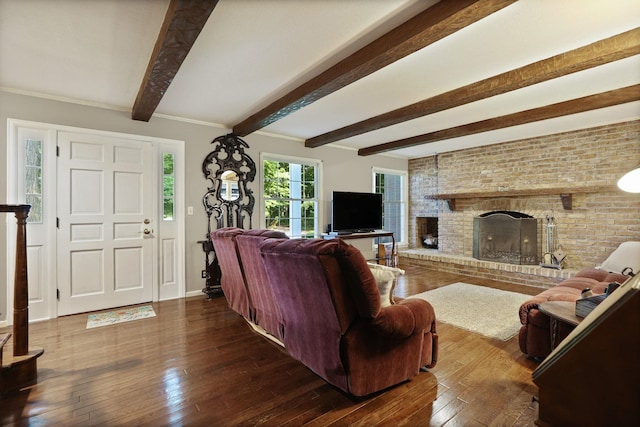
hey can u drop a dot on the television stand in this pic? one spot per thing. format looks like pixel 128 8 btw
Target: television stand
pixel 371 235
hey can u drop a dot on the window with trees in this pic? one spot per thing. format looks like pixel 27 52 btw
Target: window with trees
pixel 168 187
pixel 290 189
pixel 392 186
pixel 33 178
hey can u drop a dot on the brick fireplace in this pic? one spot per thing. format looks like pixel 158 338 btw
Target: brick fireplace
pixel 456 241
pixel 598 219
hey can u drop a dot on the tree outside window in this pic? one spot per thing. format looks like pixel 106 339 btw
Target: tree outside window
pixel 290 197
pixel 168 187
pixel 33 179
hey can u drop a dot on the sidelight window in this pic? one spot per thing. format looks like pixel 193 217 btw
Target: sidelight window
pixel 168 187
pixel 33 178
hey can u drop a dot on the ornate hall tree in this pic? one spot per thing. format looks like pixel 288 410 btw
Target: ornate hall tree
pixel 228 201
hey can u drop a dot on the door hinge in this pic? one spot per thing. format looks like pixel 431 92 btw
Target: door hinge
pixel 57 151
pixel 57 222
pixel 58 294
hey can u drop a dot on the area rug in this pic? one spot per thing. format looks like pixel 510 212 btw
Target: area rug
pixel 486 311
pixel 119 316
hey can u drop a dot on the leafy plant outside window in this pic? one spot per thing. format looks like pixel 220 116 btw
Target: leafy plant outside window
pixel 290 200
pixel 168 187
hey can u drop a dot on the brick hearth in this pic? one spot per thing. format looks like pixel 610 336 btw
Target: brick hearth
pixel 530 275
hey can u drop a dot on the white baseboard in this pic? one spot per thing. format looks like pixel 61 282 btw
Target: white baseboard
pixel 193 293
pixel 3 323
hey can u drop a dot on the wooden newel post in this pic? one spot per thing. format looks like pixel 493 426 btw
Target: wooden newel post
pixel 21 283
pixel 21 286
pixel 22 369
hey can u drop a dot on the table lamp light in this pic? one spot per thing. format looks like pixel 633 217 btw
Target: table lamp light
pixel 630 182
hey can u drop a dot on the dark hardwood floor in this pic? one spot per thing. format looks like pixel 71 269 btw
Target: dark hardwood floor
pixel 199 363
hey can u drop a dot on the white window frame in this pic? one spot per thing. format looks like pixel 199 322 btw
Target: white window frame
pixel 403 238
pixel 298 160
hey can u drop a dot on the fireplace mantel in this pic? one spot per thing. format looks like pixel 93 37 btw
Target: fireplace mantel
pixel 564 193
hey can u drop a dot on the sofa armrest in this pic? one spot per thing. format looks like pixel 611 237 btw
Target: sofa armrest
pixel 406 318
pixel 525 308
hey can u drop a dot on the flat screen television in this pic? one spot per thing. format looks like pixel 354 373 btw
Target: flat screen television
pixel 355 212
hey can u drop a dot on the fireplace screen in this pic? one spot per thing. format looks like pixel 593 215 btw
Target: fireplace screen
pixel 504 236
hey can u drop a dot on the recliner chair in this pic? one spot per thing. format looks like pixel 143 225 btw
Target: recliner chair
pixel 334 322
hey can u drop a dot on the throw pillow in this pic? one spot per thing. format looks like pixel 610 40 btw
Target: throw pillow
pixel 386 280
pixel 626 257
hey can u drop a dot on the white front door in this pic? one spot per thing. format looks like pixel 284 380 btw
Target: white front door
pixel 106 219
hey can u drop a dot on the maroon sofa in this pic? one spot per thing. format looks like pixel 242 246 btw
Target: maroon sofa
pixel 244 278
pixel 334 322
pixel 535 332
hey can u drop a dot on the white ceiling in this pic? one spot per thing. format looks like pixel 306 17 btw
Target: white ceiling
pixel 252 52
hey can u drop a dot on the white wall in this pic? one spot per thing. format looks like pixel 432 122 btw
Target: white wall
pixel 342 169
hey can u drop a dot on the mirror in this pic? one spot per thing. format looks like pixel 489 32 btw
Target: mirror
pixel 229 189
pixel 229 169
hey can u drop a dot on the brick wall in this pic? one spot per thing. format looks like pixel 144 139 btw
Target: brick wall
pixel 594 157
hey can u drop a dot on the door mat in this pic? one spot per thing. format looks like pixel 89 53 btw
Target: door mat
pixel 486 311
pixel 119 316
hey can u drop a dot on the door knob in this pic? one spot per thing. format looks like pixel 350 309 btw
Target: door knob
pixel 146 221
pixel 147 231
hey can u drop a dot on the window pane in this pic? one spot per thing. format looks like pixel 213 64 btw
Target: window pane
pixel 393 209
pixel 290 204
pixel 32 181
pixel 282 187
pixel 270 189
pixel 168 187
pixel 33 178
pixel 35 214
pixel 167 213
pixel 167 161
pixel 167 181
pixel 33 152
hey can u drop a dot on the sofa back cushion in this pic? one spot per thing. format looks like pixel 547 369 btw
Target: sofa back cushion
pixel 266 312
pixel 603 278
pixel 321 287
pixel 232 280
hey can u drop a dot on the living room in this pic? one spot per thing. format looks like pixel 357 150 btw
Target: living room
pixel 529 168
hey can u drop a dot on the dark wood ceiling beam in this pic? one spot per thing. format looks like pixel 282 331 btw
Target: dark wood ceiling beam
pixel 574 106
pixel 438 21
pixel 182 24
pixel 598 53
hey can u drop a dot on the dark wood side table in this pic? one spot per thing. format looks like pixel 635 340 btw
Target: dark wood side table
pixel 392 262
pixel 211 273
pixel 559 312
